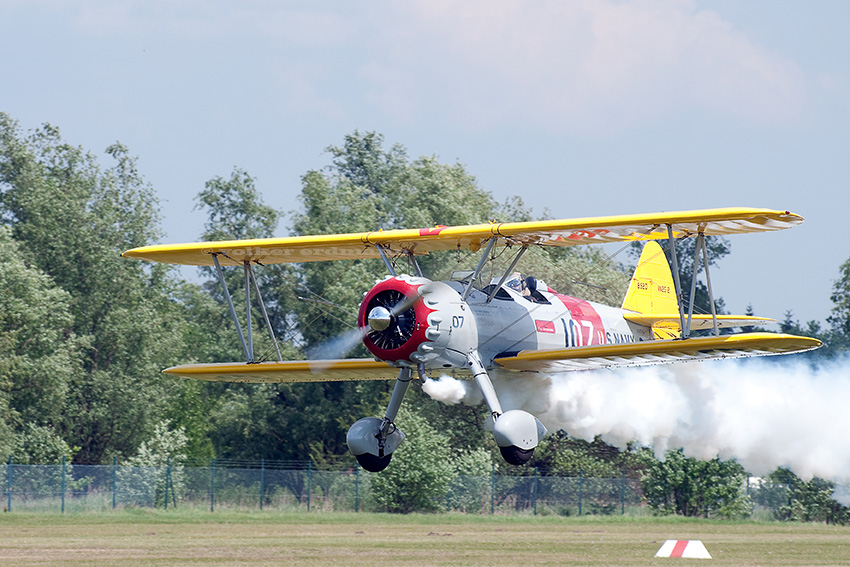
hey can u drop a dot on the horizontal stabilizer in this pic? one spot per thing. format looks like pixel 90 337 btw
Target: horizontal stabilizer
pixel 288 371
pixel 698 322
pixel 657 352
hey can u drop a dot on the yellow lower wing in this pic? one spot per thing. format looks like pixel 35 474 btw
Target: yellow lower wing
pixel 288 371
pixel 657 352
pixel 554 360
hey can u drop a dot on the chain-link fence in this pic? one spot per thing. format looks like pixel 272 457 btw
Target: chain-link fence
pixel 295 486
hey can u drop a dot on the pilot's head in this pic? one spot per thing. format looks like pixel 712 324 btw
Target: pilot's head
pixel 516 282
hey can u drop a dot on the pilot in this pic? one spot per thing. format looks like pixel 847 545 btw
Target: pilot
pixel 527 286
pixel 517 283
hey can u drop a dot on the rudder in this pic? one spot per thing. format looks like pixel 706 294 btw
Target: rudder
pixel 652 291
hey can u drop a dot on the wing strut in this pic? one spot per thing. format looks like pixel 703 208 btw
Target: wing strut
pixel 479 267
pixel 708 284
pixel 507 273
pixel 250 278
pixel 248 356
pixel 247 268
pixel 412 259
pixel 265 313
pixel 700 247
pixel 676 282
pixel 386 259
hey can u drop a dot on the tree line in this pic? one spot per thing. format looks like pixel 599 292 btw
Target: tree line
pixel 85 333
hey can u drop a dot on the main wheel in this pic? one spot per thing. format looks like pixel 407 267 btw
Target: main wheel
pixel 372 463
pixel 516 456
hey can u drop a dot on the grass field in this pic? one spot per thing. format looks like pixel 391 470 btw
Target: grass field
pixel 151 538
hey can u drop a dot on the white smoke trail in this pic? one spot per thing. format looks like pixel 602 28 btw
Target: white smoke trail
pixel 451 391
pixel 764 414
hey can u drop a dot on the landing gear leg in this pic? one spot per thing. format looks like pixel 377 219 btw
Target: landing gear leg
pixel 373 440
pixel 516 432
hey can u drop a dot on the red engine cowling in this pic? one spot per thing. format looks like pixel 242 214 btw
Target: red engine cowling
pixel 411 320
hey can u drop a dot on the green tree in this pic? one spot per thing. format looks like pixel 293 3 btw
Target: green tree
pixel 40 444
pixel 691 487
pixel 38 350
pixel 470 488
pixel 73 219
pixel 804 501
pixel 561 455
pixel 235 208
pixel 419 476
pixel 157 470
pixel 838 339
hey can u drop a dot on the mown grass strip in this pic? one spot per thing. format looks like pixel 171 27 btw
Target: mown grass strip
pixel 132 538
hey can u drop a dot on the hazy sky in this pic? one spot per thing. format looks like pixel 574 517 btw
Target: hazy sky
pixel 582 107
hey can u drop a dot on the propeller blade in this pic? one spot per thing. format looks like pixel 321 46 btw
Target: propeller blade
pixel 411 300
pixel 338 346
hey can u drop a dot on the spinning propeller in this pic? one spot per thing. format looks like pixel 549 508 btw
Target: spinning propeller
pixel 389 323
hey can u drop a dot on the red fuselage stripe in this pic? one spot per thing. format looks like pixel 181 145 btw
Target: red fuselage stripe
pixel 589 324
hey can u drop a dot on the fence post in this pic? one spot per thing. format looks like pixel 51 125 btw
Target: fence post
pixel 262 481
pixel 309 482
pixel 580 489
pixel 9 484
pixel 63 484
pixel 171 484
pixel 212 485
pixel 167 475
pixel 114 480
pixel 357 487
pixel 623 493
pixel 493 489
pixel 534 490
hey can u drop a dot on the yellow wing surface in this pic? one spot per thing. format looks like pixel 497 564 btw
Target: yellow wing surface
pixel 657 352
pixel 555 360
pixel 288 371
pixel 565 232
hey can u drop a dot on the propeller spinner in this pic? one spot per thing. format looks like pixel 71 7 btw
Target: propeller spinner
pixel 390 324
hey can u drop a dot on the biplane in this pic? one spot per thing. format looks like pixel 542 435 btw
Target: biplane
pixel 413 325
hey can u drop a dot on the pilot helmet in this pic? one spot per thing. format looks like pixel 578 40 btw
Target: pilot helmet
pixel 516 282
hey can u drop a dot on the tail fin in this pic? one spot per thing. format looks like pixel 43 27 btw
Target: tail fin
pixel 651 299
pixel 652 291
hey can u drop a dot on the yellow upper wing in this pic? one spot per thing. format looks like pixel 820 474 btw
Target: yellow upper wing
pixel 657 352
pixel 565 232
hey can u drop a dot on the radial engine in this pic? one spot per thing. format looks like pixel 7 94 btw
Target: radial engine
pixel 412 320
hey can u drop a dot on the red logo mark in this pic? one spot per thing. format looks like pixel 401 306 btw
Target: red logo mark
pixel 544 326
pixel 590 234
pixel 431 231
